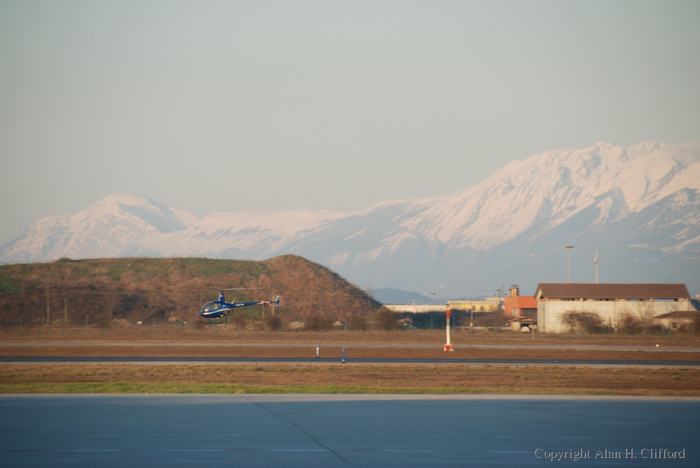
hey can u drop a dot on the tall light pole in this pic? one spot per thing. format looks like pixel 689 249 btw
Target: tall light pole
pixel 568 262
pixel 595 262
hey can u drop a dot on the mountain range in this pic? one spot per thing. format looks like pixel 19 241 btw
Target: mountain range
pixel 636 209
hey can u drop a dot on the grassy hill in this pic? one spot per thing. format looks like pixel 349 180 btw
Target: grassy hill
pixel 150 290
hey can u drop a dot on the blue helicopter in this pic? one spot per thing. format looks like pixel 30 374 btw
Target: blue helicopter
pixel 220 308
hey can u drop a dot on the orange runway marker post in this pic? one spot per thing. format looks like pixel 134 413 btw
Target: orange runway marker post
pixel 448 345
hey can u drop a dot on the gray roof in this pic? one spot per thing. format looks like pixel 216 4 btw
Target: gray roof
pixel 603 291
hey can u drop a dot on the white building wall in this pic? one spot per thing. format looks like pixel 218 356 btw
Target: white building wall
pixel 550 312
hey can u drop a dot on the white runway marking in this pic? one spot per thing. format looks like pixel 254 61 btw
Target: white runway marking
pixel 300 450
pixel 406 450
pixel 85 450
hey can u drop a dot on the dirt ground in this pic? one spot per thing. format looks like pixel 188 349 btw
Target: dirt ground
pixel 16 378
pixel 365 378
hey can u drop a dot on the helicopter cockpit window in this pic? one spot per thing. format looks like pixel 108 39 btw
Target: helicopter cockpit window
pixel 209 306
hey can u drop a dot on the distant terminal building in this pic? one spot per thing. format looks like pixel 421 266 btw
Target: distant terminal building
pixel 415 308
pixel 434 316
pixel 425 316
pixel 612 302
pixel 490 304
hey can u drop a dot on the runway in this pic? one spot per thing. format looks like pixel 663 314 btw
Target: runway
pixel 684 349
pixel 346 430
pixel 349 361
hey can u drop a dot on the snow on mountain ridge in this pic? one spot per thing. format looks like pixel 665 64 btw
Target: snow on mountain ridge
pixel 108 228
pixel 642 197
pixel 252 234
pixel 556 185
pixel 148 210
pixel 285 222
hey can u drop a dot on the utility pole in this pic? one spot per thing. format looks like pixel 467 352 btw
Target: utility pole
pixel 568 262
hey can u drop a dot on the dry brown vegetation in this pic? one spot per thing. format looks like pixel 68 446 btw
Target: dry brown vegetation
pixel 367 378
pixel 123 292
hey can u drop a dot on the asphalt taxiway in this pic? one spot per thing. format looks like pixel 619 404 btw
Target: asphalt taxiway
pixel 346 430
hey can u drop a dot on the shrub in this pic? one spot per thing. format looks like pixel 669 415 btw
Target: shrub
pixel 357 322
pixel 696 325
pixel 385 320
pixel 103 320
pixel 488 319
pixel 630 325
pixel 318 322
pixel 587 322
pixel 239 320
pixel 273 322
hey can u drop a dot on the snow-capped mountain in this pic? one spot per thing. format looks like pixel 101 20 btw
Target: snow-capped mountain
pixel 638 207
pixel 106 229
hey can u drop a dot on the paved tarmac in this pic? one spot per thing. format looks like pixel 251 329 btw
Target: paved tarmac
pixel 311 346
pixel 346 430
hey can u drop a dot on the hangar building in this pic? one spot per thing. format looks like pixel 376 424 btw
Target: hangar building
pixel 610 301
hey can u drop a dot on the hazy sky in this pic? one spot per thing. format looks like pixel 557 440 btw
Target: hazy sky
pixel 261 105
